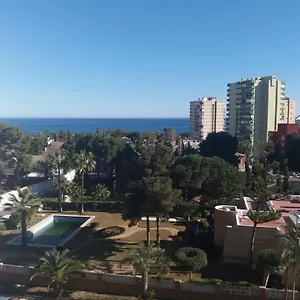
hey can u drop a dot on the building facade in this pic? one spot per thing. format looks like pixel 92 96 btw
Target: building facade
pixel 289 111
pixel 255 107
pixel 207 115
pixel 279 137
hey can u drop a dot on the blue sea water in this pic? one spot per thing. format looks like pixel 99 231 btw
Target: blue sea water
pixel 33 125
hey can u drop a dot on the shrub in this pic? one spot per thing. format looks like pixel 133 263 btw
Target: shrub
pixel 2 227
pixel 214 281
pixel 239 283
pixel 206 213
pixel 211 281
pixel 191 259
pixel 13 221
pixel 110 206
pixel 204 224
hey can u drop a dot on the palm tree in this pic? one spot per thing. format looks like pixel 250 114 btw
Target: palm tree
pixel 63 187
pixel 58 267
pixel 101 193
pixel 291 255
pixel 56 161
pixel 21 202
pixel 85 163
pixel 145 260
pixel 75 192
pixel 259 217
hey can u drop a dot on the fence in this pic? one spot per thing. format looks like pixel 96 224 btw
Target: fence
pixel 126 285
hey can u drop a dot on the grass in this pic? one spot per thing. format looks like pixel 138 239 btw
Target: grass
pixel 105 254
pixel 42 293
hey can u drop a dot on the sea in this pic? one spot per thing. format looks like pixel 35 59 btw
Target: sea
pixel 78 125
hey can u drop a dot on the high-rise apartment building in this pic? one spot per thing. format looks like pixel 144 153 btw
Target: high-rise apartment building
pixel 289 111
pixel 207 115
pixel 255 106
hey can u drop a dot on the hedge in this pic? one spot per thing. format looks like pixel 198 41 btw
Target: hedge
pixel 214 281
pixel 109 206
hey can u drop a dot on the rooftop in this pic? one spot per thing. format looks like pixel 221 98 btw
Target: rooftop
pixel 289 209
pixel 53 147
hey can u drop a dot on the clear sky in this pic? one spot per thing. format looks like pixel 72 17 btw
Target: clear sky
pixel 139 58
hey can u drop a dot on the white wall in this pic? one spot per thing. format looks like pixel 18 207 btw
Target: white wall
pixel 41 188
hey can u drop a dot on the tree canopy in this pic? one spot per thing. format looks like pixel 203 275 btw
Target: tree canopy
pixel 220 144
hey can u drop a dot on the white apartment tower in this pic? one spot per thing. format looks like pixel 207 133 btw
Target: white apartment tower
pixel 207 114
pixel 255 106
pixel 289 111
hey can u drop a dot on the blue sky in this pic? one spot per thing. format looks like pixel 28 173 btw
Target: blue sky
pixel 139 58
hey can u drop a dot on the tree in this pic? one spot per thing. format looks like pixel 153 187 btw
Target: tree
pixel 246 149
pixel 259 217
pixel 218 185
pixel 76 192
pixel 101 193
pixel 188 174
pixel 258 185
pixel 59 267
pixel 147 260
pixel 270 261
pixel 85 163
pixel 23 165
pixel 191 259
pixel 285 184
pixel 160 198
pixel 56 161
pixel 21 203
pixel 292 151
pixel 291 256
pixel 63 188
pixel 43 167
pixel 220 144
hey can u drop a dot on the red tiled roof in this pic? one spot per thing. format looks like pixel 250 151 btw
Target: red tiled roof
pixel 53 147
pixel 280 223
pixel 285 205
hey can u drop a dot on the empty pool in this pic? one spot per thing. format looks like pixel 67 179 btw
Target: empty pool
pixel 55 230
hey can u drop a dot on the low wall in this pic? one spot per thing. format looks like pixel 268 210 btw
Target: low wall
pixel 131 286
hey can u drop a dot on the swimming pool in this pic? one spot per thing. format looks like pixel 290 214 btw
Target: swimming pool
pixel 53 231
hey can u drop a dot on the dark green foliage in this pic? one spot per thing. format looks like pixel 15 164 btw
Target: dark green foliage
pixel 191 259
pixel 269 258
pixel 13 222
pixel 292 151
pixel 220 144
pixel 206 213
pixel 218 185
pixel 15 218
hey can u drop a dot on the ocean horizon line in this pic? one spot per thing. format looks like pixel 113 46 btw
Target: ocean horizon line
pixel 104 118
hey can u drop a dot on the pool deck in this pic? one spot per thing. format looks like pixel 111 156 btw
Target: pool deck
pixel 37 227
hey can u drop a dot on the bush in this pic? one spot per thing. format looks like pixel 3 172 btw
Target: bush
pixel 2 227
pixel 15 219
pixel 191 259
pixel 214 281
pixel 210 281
pixel 206 213
pixel 205 224
pixel 13 222
pixel 109 206
pixel 239 283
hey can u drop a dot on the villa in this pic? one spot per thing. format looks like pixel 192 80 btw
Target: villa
pixel 233 228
